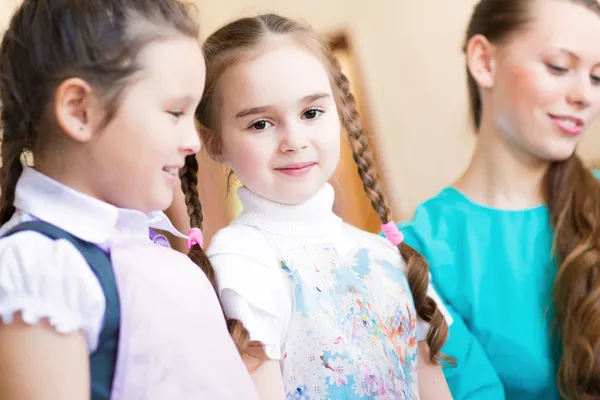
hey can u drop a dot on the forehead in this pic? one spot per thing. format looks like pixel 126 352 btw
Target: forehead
pixel 560 24
pixel 280 75
pixel 174 64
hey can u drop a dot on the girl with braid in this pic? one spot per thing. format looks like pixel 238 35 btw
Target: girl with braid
pixel 98 101
pixel 333 312
pixel 514 244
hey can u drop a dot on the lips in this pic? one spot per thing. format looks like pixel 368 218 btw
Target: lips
pixel 297 166
pixel 172 170
pixel 297 169
pixel 569 125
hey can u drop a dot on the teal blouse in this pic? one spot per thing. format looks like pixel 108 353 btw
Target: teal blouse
pixel 495 271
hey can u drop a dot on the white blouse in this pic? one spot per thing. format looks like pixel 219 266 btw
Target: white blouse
pixel 246 257
pixel 45 278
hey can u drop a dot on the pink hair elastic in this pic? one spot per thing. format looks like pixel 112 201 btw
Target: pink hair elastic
pixel 392 233
pixel 195 236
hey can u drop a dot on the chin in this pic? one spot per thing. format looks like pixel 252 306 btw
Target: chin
pixel 160 203
pixel 555 155
pixel 553 149
pixel 562 151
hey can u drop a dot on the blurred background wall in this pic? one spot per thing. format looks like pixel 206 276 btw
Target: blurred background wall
pixel 405 62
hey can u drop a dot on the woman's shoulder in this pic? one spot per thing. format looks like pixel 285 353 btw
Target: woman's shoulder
pixel 436 215
pixel 452 217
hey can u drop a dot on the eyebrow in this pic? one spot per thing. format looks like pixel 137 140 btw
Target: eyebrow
pixel 184 99
pixel 573 55
pixel 259 110
pixel 314 97
pixel 568 52
pixel 179 101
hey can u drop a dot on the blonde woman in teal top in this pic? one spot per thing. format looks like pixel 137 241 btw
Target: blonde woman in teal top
pixel 514 244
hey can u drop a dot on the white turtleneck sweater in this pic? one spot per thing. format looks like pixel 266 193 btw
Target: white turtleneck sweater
pixel 247 255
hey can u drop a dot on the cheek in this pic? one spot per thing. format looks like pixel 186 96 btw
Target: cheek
pixel 330 143
pixel 331 148
pixel 249 158
pixel 595 103
pixel 529 89
pixel 157 140
pixel 246 155
pixel 115 144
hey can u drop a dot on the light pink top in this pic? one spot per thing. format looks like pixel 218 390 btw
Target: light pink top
pixel 173 341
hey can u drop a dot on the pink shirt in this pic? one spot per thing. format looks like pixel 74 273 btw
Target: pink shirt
pixel 173 340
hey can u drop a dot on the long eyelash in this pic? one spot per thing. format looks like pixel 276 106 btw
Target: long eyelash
pixel 317 109
pixel 251 126
pixel 556 69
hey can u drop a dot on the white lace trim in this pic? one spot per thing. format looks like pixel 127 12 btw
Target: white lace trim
pixel 62 320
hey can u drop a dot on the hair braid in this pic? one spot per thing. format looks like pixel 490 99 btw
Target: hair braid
pixel 9 175
pixel 189 185
pixel 418 270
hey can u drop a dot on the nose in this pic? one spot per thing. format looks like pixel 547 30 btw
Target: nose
pixel 190 142
pixel 293 139
pixel 580 93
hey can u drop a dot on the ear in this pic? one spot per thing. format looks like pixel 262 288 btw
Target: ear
pixel 212 145
pixel 481 61
pixel 72 102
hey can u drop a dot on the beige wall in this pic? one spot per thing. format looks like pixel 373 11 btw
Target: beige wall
pixel 412 80
pixel 6 9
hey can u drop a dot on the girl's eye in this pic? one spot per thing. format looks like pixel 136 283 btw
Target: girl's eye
pixel 176 114
pixel 260 125
pixel 312 113
pixel 556 69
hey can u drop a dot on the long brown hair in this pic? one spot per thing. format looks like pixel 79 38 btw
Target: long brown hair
pixel 245 36
pixel 189 185
pixel 572 194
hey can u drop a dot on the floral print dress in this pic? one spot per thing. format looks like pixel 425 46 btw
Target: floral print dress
pixel 353 331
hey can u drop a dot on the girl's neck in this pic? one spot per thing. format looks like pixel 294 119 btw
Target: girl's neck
pixel 502 175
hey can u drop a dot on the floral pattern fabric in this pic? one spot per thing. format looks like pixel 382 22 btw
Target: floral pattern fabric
pixel 353 329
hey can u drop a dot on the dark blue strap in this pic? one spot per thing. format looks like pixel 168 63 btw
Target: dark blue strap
pixel 103 360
